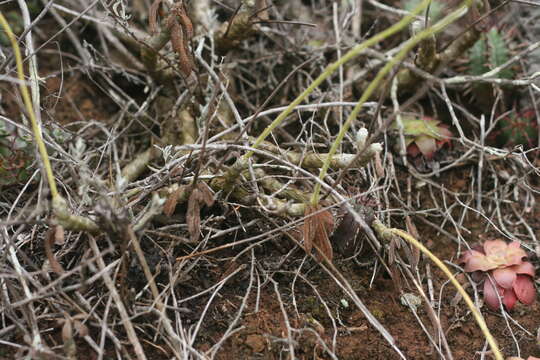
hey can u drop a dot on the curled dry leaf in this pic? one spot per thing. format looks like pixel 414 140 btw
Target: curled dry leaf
pixel 200 194
pixel 68 335
pixel 172 201
pixel 54 236
pixel 193 216
pixel 317 228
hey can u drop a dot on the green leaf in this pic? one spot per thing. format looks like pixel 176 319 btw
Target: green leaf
pixel 498 53
pixel 477 58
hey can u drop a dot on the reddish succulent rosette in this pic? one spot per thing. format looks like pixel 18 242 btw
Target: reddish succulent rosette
pixel 509 274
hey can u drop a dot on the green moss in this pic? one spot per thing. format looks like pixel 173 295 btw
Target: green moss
pixel 378 313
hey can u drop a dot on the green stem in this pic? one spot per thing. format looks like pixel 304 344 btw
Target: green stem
pixel 29 108
pixel 453 16
pixel 333 67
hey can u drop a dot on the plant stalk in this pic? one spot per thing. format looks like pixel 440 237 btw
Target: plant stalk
pixel 450 18
pixel 335 66
pixel 384 231
pixel 29 108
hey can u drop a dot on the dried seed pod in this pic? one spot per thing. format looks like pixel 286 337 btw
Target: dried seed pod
pixel 152 16
pixel 185 21
pixel 180 47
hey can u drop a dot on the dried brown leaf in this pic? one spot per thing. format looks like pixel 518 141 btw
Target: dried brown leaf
pixel 206 194
pixel 411 229
pixel 172 201
pixel 50 239
pixel 70 348
pixel 67 330
pixel 59 238
pixel 317 228
pixel 193 216
pixel 308 230
pixel 82 329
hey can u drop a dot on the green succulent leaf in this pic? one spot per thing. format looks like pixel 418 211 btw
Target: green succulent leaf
pixel 498 53
pixel 478 62
pixel 16 155
pixel 423 135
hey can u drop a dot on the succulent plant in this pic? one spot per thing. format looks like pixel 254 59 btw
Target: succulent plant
pixel 504 272
pixel 518 128
pixel 15 155
pixel 489 52
pixel 424 136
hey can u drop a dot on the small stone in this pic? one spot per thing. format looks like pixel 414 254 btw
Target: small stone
pixel 411 301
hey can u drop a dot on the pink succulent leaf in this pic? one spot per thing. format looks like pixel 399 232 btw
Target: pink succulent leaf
pixel 475 249
pixel 427 145
pixel 465 256
pixel 515 256
pixel 478 261
pixel 413 150
pixel 495 247
pixel 504 277
pixel 525 268
pixel 509 299
pixel 524 289
pixel 445 132
pixel 490 295
pixel 515 244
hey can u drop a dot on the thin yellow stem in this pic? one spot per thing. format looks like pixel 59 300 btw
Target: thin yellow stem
pixel 29 108
pixel 333 67
pixel 477 315
pixel 450 18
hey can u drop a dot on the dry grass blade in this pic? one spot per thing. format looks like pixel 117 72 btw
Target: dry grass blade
pixel 317 228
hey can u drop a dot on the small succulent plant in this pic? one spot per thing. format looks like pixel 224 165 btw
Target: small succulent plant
pixel 15 155
pixel 518 128
pixel 424 136
pixel 504 271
